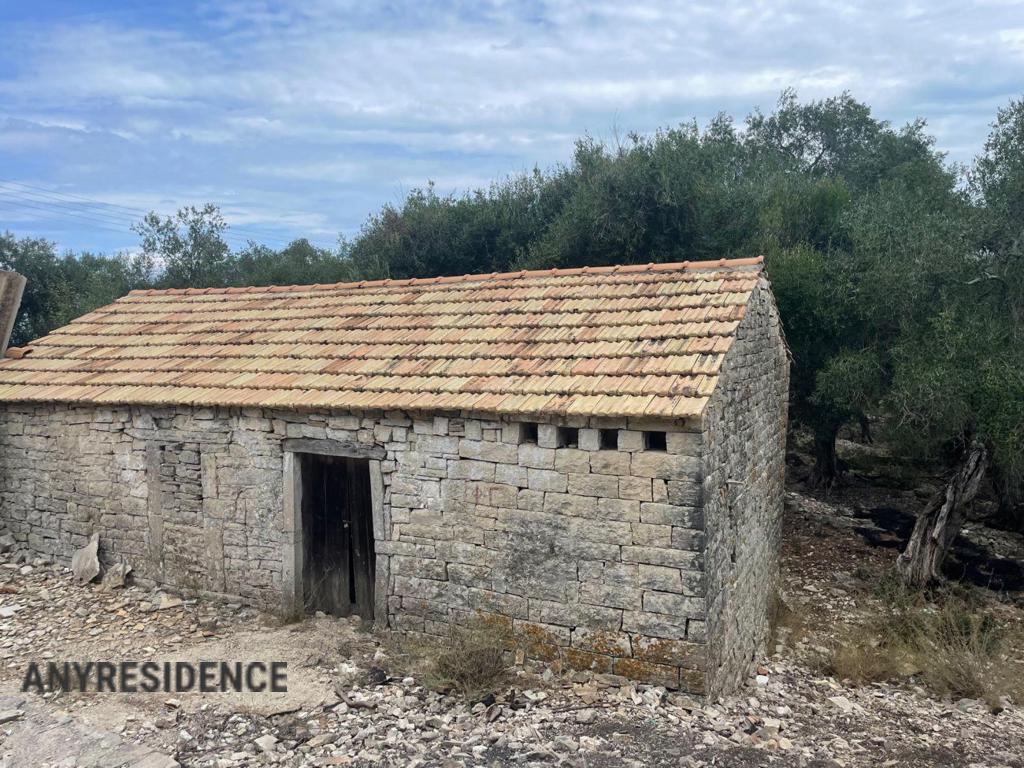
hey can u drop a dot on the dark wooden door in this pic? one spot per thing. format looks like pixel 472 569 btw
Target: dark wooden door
pixel 337 527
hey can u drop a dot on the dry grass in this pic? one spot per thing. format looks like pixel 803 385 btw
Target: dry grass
pixel 945 638
pixel 784 624
pixel 469 661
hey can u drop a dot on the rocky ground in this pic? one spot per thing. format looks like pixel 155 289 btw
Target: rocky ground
pixel 352 701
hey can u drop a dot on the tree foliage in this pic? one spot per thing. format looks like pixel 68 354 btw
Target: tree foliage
pixel 898 276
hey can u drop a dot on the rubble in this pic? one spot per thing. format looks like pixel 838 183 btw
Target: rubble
pixel 116 576
pixel 85 562
pixel 352 701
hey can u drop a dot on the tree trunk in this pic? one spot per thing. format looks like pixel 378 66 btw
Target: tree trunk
pixel 941 520
pixel 1010 500
pixel 823 475
pixel 865 429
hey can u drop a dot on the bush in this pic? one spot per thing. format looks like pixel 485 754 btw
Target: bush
pixel 470 661
pixel 944 637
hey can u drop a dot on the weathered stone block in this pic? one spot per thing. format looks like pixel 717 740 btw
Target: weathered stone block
pixel 660 578
pixel 618 509
pixel 675 558
pixel 670 514
pixel 568 504
pixel 418 567
pixel 589 440
pixel 471 470
pixel 594 485
pixel 666 466
pixel 546 480
pixel 603 642
pixel 685 443
pixel 610 463
pixel 613 596
pixel 572 460
pixel 638 488
pixel 510 474
pixel 547 435
pixel 530 500
pixel 586 661
pixel 673 604
pixel 536 457
pixel 630 440
pixel 645 671
pixel 654 625
pixel 645 534
pixel 484 451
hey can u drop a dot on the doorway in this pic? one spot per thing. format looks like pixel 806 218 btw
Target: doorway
pixel 337 534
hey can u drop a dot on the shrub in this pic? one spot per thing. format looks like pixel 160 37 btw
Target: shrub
pixel 945 637
pixel 469 661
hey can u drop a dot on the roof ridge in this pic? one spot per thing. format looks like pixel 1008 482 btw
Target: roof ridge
pixel 478 277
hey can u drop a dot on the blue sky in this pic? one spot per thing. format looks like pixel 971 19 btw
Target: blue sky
pixel 302 118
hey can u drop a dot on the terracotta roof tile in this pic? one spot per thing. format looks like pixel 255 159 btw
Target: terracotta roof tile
pixel 632 340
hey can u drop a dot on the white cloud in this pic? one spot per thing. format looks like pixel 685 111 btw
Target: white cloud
pixel 330 107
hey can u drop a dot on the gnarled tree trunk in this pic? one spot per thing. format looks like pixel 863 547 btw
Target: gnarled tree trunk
pixel 826 465
pixel 941 520
pixel 1010 498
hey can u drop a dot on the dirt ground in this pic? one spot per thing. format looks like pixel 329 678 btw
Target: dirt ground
pixel 353 701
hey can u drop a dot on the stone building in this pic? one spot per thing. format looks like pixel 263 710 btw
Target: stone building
pixel 590 458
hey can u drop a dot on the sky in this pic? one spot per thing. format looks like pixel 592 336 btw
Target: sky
pixel 301 119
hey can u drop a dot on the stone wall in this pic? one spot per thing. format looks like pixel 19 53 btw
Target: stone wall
pixel 744 475
pixel 655 558
pixel 591 556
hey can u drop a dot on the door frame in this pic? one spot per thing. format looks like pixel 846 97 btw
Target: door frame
pixel 294 554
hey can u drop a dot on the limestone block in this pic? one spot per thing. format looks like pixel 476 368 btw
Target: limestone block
pixel 570 504
pixel 418 567
pixel 547 435
pixel 510 474
pixel 686 538
pixel 530 500
pixel 678 653
pixel 546 480
pixel 604 486
pixel 612 596
pixel 608 643
pixel 660 578
pixel 649 535
pixel 638 488
pixel 674 604
pixel 610 463
pixel 536 457
pixel 618 509
pixel 572 460
pixel 663 465
pixel 471 470
pixel 484 451
pixel 590 439
pixel 696 630
pixel 675 558
pixel 685 443
pixel 654 624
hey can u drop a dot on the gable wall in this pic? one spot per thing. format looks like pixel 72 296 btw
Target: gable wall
pixel 743 488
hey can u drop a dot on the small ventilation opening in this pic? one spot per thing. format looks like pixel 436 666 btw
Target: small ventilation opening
pixel 528 434
pixel 654 441
pixel 609 439
pixel 568 437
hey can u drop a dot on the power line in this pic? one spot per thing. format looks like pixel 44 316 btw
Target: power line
pixel 74 207
pixel 48 213
pixel 114 215
pixel 96 210
pixel 44 213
